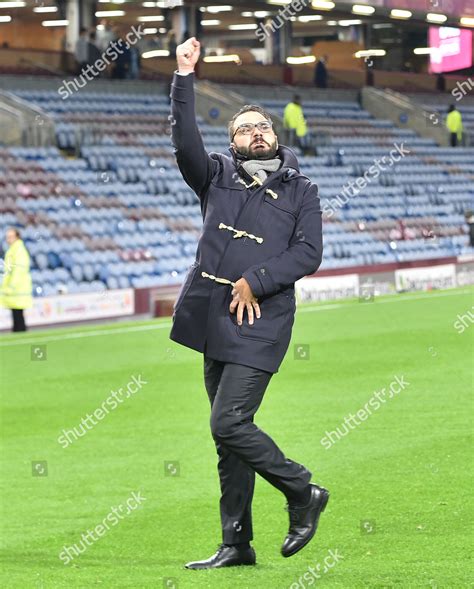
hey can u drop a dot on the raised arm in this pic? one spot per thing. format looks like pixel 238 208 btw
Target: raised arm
pixel 193 161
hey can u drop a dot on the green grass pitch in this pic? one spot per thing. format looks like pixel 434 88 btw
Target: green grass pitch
pixel 400 512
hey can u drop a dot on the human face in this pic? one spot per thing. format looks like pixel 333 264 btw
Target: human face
pixel 11 237
pixel 257 145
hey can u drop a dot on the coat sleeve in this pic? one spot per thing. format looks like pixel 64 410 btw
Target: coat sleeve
pixel 302 257
pixel 193 161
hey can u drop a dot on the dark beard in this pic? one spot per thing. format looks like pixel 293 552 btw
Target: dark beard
pixel 251 154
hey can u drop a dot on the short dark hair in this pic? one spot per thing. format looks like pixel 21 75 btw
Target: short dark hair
pixel 244 109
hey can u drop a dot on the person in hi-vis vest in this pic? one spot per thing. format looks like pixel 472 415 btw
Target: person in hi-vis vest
pixel 454 125
pixel 16 285
pixel 295 123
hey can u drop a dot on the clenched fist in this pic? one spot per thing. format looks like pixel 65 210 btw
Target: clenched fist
pixel 187 55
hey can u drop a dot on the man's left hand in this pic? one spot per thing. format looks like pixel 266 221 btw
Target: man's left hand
pixel 244 299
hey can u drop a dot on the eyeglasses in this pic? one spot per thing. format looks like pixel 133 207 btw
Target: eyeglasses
pixel 247 128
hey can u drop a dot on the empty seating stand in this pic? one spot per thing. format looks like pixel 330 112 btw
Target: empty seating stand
pixel 116 213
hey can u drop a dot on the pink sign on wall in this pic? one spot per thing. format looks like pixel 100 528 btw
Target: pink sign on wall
pixel 452 7
pixel 451 49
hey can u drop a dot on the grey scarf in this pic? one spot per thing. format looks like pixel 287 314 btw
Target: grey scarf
pixel 261 168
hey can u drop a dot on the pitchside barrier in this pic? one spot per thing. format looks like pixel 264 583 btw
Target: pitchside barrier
pixel 72 308
pixel 372 284
pixel 365 283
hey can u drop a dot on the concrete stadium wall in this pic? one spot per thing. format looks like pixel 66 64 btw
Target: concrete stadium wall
pixel 365 282
pixel 342 74
pixel 9 82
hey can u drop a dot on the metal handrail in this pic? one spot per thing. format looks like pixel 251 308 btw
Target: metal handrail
pixel 26 105
pixel 212 88
pixel 391 104
pixel 35 126
pixel 20 122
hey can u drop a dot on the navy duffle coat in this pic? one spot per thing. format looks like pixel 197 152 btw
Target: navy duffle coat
pixel 269 233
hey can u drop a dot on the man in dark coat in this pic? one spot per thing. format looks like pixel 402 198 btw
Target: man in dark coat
pixel 321 73
pixel 261 233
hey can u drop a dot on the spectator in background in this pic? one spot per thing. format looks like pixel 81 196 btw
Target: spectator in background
pixel 81 52
pixel 469 216
pixel 104 35
pixel 294 121
pixel 402 232
pixel 16 284
pixel 172 44
pixel 122 63
pixel 321 72
pixel 454 125
pixel 369 76
pixel 134 70
pixel 440 83
pixel 93 51
pixel 288 75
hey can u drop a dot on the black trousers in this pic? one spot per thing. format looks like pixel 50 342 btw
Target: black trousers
pixel 453 139
pixel 235 393
pixel 18 320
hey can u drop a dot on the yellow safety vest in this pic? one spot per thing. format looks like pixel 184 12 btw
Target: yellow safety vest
pixel 16 284
pixel 293 118
pixel 454 123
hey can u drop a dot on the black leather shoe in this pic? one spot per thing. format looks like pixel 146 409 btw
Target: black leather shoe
pixel 226 556
pixel 304 521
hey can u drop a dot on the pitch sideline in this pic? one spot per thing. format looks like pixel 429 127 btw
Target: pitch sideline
pixel 137 328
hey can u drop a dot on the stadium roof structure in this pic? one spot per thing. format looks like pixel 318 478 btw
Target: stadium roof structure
pixel 240 18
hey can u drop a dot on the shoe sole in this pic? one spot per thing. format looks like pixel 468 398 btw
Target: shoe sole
pixel 308 540
pixel 240 564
